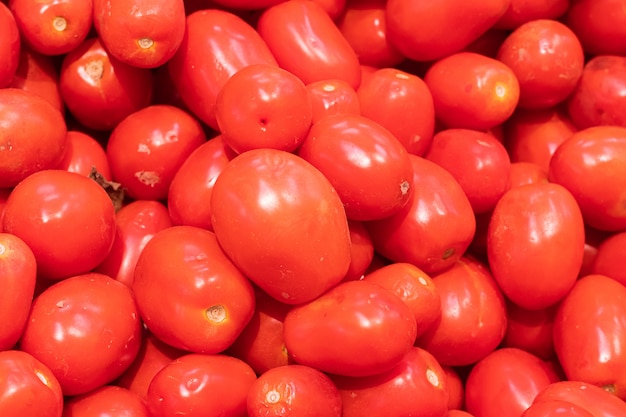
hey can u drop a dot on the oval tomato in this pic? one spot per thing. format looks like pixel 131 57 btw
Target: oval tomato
pixel 556 408
pixel 10 45
pixel 522 11
pixel 523 173
pixel 530 330
pixel 598 402
pixel 106 401
pixel 361 251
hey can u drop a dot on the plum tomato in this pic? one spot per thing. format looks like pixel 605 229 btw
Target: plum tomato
pixel 598 402
pixel 263 106
pixel 537 231
pixel 522 11
pixel 456 388
pixel 108 400
pixel 556 408
pixel 332 96
pixel 83 154
pixel 86 329
pixel 607 259
pixel 530 330
pixel 10 45
pixel 599 24
pixel 523 173
pixel 291 240
pixel 67 220
pixel 183 276
pixel 369 328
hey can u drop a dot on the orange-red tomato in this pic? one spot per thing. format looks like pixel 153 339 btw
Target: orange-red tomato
pixel 361 250
pixel 10 45
pixel 556 407
pixel 83 154
pixel 530 330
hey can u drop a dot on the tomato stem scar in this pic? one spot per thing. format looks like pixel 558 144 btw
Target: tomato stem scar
pixel 216 313
pixel 145 43
pixel 59 23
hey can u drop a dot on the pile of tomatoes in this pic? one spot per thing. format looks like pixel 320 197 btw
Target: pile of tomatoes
pixel 312 208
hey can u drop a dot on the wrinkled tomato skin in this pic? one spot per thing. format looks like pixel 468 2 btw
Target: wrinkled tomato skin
pixel 332 96
pixel 609 252
pixel 83 153
pixel 598 402
pixel 589 328
pixel 556 408
pixel 106 400
pixel 10 45
pixel 605 36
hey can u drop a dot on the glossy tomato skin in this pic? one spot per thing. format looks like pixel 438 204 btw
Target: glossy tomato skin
pixel 10 45
pixel 33 137
pixel 589 327
pixel 430 236
pixel 332 96
pixel 144 33
pixel 28 387
pixel 83 153
pixel 37 73
pixel 260 192
pixel 523 173
pixel 536 230
pixel 394 392
pixel 53 27
pixel 216 44
pixel 467 330
pixel 456 388
pixel 200 385
pixel 183 276
pixel 607 255
pixel 86 329
pixel 444 29
pixel 604 36
pixel 590 164
pixel 306 42
pixel 296 390
pixel 371 329
pixel 107 400
pixel 556 408
pixel 361 251
pixel 18 272
pixel 66 219
pixel 367 166
pixel 598 402
pixel 146 149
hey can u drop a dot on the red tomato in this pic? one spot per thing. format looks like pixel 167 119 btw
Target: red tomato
pixel 33 136
pixel 434 229
pixel 414 287
pixel 589 330
pixel 260 192
pixel 332 96
pixel 10 45
pixel 530 330
pixel 334 8
pixel 505 382
pixel 598 35
pixel 591 164
pixel 488 43
pixel 106 401
pixel 444 26
pixel 246 4
pixel 136 223
pixel 537 231
pixel 547 59
pixel 607 260
pixel 192 184
pixel 83 154
pixel 522 11
pixel 523 173
pixel 598 402
pixel 361 250
pixel 189 294
pixel 477 160
pixel 368 167
pixel 415 386
pixel 556 408
pixel 53 27
pixel 215 46
pixel 263 106
pixel 146 149
pixel 306 42
pixel 295 390
pixel 66 219
pixel 99 90
pixel 370 327
pixel 86 329
pixel 18 273
pixel 456 389
pixel 142 33
pixel 472 91
pixel 402 103
pixel 458 413
pixel 197 385
pixel 599 97
pixel 473 315
pixel 28 387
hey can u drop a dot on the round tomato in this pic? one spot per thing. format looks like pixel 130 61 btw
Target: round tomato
pixel 83 154
pixel 10 45
pixel 332 96
pixel 106 401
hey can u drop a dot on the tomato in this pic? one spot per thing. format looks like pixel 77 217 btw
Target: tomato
pixel 556 408
pixel 393 393
pixel 477 160
pixel 216 44
pixel 246 4
pixel 332 96
pixel 33 136
pixel 537 231
pixel 86 329
pixel 444 28
pixel 402 103
pixel 458 413
pixel 488 43
pixel 197 385
pixel 296 390
pixel 598 99
pixel 607 257
pixel 505 382
pixel 106 401
pixel 456 388
pixel 18 273
pixel 468 329
pixel 361 251
pixel 530 330
pixel 590 164
pixel 99 90
pixel 306 42
pixel 599 36
pixel 414 287
pixel 547 59
pixel 28 387
pixel 136 223
pixel 260 192
pixel 370 327
pixel 589 328
pixel 144 33
pixel 147 147
pixel 523 11
pixel 595 400
pixel 334 8
pixel 434 229
pixel 263 106
pixel 183 277
pixel 523 173
pixel 66 219
pixel 83 153
pixel 53 27
pixel 10 46
pixel 472 91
